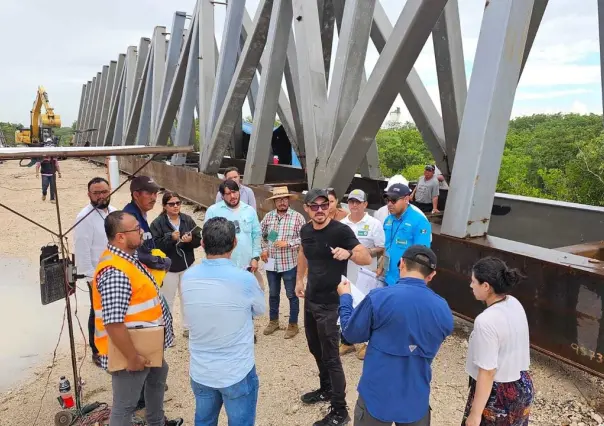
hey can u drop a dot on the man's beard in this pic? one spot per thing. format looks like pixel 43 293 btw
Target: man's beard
pixel 101 204
pixel 233 205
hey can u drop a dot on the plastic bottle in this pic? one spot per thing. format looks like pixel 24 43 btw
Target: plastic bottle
pixel 66 398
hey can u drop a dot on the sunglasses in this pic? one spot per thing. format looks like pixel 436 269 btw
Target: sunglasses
pixel 391 200
pixel 316 207
pixel 174 204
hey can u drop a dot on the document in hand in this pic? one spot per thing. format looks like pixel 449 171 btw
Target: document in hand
pixel 148 342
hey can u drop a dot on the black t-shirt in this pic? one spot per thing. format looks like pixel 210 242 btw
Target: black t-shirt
pixel 325 272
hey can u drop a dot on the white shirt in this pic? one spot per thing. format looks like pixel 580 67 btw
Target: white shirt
pixel 90 239
pixel 370 233
pixel 382 214
pixel 500 340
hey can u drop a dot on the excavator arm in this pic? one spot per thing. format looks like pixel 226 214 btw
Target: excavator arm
pixel 40 123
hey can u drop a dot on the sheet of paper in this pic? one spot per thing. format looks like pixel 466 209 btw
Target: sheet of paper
pixel 357 294
pixel 269 265
pixel 367 280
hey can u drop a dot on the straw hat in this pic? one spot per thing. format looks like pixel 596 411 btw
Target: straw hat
pixel 281 192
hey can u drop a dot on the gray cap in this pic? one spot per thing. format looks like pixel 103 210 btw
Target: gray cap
pixel 313 194
pixel 357 194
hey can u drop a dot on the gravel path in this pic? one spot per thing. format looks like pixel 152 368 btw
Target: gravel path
pixel 565 396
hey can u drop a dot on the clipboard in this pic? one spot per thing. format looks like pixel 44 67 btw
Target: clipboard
pixel 148 342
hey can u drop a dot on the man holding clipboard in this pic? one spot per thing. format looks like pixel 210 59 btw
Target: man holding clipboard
pixel 132 324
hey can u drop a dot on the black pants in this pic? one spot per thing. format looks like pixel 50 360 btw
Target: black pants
pixel 91 323
pixel 363 418
pixel 323 336
pixel 425 207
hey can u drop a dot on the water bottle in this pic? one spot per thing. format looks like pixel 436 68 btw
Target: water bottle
pixel 66 398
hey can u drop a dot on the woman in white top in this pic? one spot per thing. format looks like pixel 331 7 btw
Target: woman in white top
pixel 501 388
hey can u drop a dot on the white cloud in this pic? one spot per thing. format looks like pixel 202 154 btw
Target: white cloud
pixel 579 107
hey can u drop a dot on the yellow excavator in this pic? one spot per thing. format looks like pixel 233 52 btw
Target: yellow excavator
pixel 40 129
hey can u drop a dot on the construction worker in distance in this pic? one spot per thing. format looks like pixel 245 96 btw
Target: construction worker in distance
pixel 125 296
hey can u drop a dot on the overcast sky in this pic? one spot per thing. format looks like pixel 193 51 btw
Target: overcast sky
pixel 62 45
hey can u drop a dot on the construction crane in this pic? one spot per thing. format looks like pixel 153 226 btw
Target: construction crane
pixel 40 128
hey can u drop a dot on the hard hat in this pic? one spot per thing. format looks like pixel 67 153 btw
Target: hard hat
pixel 396 179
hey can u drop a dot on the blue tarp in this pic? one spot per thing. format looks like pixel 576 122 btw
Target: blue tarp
pixel 247 129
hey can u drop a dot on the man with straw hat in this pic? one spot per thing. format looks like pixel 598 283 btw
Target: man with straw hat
pixel 280 230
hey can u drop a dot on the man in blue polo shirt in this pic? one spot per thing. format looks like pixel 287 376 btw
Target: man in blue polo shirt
pixel 406 226
pixel 405 325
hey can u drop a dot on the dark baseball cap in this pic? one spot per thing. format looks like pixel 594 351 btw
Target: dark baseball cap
pixel 418 254
pixel 398 190
pixel 313 194
pixel 144 183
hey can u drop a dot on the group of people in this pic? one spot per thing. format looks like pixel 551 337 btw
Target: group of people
pixel 397 329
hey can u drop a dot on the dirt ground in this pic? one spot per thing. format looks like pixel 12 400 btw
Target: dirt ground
pixel 286 369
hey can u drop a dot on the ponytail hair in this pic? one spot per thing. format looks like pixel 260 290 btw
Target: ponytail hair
pixel 494 271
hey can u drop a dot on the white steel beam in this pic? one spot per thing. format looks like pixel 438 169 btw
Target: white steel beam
pixel 451 73
pixel 227 60
pixel 82 117
pixel 394 64
pixel 213 150
pixel 107 138
pixel 313 83
pixel 80 113
pixel 501 45
pixel 99 106
pixel 155 82
pixel 106 104
pixel 207 70
pixel 414 94
pixel 268 97
pixel 132 125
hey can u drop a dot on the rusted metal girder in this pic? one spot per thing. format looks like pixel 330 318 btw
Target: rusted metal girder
pixel 563 295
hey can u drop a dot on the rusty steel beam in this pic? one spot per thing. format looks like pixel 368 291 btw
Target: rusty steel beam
pixel 563 296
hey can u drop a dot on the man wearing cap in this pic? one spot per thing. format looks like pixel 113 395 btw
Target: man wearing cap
pixel 382 213
pixel 370 232
pixel 405 325
pixel 143 190
pixel 406 226
pixel 280 230
pixel 425 194
pixel 327 246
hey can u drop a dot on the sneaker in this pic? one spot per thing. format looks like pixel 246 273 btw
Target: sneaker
pixel 53 202
pixel 346 349
pixel 175 422
pixel 43 197
pixel 271 327
pixel 334 418
pixel 185 334
pixel 316 396
pixel 292 330
pixel 361 350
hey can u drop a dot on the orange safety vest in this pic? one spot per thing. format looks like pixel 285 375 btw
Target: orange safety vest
pixel 145 307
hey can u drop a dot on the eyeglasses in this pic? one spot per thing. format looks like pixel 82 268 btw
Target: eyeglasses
pixel 97 193
pixel 137 229
pixel 316 207
pixel 174 204
pixel 391 200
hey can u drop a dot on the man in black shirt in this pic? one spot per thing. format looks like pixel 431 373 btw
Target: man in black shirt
pixel 327 245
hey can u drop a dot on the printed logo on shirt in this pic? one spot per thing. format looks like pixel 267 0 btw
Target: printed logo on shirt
pixel 423 231
pixel 363 233
pixel 388 222
pixel 366 227
pixel 147 236
pixel 407 224
pixel 412 347
pixel 401 242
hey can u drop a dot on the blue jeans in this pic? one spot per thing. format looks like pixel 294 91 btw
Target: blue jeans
pixel 239 401
pixel 46 183
pixel 274 289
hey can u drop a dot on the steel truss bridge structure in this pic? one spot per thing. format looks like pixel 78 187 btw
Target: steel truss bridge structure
pixel 152 93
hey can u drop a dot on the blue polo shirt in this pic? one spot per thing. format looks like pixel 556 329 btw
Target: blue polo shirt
pixel 405 324
pixel 411 228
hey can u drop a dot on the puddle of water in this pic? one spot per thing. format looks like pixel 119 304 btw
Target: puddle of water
pixel 30 330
